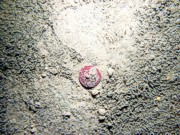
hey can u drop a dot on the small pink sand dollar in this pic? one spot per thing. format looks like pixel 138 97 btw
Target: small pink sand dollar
pixel 89 76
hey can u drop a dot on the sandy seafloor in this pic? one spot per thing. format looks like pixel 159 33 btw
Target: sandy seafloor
pixel 134 43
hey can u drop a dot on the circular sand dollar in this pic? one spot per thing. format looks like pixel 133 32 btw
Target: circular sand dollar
pixel 89 76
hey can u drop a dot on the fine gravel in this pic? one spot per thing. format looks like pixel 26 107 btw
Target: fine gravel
pixel 45 43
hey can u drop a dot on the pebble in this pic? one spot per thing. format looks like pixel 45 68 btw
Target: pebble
pixel 109 125
pixel 33 130
pixel 38 105
pixel 12 120
pixel 151 57
pixel 44 75
pixel 34 1
pixel 178 21
pixel 168 77
pixel 25 125
pixel 43 52
pixel 33 125
pixel 101 118
pixel 67 114
pixel 46 130
pixel 176 48
pixel 158 98
pixel 94 92
pixel 25 133
pixel 53 71
pixel 110 72
pixel 44 125
pixel 156 109
pixel 102 111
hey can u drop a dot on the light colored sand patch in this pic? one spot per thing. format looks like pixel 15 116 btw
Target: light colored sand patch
pixel 100 32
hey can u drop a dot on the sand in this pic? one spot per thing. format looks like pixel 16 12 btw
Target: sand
pixel 45 44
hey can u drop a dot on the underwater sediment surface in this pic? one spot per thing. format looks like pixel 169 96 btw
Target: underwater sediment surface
pixel 45 43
